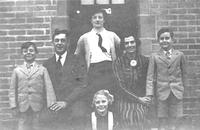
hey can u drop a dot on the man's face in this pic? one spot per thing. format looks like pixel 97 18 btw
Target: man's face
pixel 165 41
pixel 130 44
pixel 97 20
pixel 101 103
pixel 60 43
pixel 29 54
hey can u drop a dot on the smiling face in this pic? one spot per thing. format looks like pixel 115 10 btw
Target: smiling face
pixel 101 104
pixel 29 54
pixel 97 20
pixel 60 43
pixel 130 44
pixel 165 41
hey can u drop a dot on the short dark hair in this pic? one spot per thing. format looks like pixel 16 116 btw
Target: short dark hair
pixel 26 45
pixel 98 10
pixel 137 40
pixel 163 30
pixel 58 31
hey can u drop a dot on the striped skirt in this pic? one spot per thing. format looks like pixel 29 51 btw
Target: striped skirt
pixel 132 115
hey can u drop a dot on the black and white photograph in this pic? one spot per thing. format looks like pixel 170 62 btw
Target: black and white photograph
pixel 99 64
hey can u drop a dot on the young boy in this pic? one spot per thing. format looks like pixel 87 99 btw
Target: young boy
pixel 102 118
pixel 167 78
pixel 29 83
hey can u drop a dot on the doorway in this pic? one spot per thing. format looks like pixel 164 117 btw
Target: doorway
pixel 122 17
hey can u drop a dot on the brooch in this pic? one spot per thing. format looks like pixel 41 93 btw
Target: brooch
pixel 133 63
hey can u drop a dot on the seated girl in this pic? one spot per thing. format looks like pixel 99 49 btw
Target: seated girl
pixel 101 117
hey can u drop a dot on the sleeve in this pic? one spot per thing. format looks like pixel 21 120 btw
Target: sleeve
pixel 80 46
pixel 184 70
pixel 117 42
pixel 79 80
pixel 44 64
pixel 13 89
pixel 121 87
pixel 117 39
pixel 50 94
pixel 117 72
pixel 150 77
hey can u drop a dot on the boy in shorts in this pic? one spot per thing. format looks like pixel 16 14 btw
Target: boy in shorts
pixel 167 78
pixel 30 89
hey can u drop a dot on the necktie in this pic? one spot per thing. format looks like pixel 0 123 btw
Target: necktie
pixel 59 65
pixel 168 55
pixel 29 67
pixel 100 43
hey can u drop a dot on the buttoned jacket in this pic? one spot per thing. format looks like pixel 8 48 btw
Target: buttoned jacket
pixel 166 75
pixel 69 82
pixel 31 88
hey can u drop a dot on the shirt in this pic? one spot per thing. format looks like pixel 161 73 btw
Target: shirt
pixel 169 53
pixel 102 122
pixel 29 66
pixel 108 40
pixel 62 60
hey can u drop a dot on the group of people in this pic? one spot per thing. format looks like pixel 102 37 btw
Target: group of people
pixel 97 88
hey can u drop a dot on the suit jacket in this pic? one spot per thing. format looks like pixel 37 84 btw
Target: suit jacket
pixel 167 75
pixel 27 89
pixel 70 81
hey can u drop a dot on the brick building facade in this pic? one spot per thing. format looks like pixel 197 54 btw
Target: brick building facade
pixel 34 20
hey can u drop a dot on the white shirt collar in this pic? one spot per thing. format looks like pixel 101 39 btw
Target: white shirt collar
pixel 29 65
pixel 98 31
pixel 170 51
pixel 63 57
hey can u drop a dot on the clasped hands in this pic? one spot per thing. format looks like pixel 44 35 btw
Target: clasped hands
pixel 145 100
pixel 58 106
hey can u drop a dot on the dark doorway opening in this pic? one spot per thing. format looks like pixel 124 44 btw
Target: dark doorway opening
pixel 122 18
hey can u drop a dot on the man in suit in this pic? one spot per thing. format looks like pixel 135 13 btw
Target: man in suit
pixel 29 82
pixel 167 78
pixel 67 72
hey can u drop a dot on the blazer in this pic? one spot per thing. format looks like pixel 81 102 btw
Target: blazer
pixel 70 81
pixel 166 75
pixel 28 89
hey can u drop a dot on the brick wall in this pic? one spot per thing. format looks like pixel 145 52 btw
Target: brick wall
pixel 183 16
pixel 34 20
pixel 21 21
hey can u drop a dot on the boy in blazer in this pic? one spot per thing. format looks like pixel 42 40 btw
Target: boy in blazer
pixel 167 78
pixel 29 83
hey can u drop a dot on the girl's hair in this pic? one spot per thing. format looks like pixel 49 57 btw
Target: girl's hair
pixel 104 92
